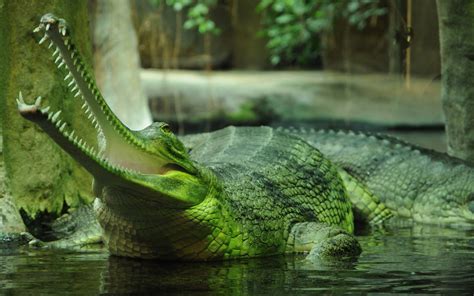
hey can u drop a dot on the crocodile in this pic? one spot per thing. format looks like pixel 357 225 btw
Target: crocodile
pixel 239 192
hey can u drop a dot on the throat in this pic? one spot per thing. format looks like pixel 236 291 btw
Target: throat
pixel 135 227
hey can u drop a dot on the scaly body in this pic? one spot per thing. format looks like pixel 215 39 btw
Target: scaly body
pixel 267 182
pixel 416 183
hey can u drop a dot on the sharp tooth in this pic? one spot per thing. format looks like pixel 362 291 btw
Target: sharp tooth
pixel 57 59
pixel 84 105
pixel 63 31
pixel 69 75
pixel 50 115
pixel 56 115
pixel 78 93
pixel 90 115
pixel 38 101
pixel 50 44
pixel 46 109
pixel 62 64
pixel 43 39
pixel 66 41
pixel 58 123
pixel 62 127
pixel 74 88
pixel 37 29
pixel 47 27
pixel 80 142
pixel 56 51
pixel 72 134
pixel 20 97
pixel 72 55
pixel 71 83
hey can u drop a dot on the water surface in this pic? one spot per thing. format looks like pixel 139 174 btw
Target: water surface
pixel 401 259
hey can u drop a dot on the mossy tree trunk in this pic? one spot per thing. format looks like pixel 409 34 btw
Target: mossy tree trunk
pixel 42 178
pixel 456 25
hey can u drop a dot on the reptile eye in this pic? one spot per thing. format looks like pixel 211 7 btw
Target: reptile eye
pixel 165 128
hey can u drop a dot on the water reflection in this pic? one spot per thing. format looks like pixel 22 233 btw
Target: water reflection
pixel 401 259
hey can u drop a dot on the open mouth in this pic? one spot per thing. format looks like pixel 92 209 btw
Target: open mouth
pixel 152 163
pixel 121 151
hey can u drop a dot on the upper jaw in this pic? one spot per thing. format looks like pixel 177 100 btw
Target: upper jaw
pixel 118 142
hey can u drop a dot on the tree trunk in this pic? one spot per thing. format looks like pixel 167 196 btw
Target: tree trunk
pixel 456 25
pixel 41 177
pixel 117 63
pixel 394 26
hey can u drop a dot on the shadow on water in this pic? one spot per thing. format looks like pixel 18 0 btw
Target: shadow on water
pixel 401 259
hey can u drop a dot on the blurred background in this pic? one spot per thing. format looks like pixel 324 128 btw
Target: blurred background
pixel 361 64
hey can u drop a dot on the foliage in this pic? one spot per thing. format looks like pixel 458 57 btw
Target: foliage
pixel 198 14
pixel 292 26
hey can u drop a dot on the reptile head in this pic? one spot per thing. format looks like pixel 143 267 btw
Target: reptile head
pixel 151 162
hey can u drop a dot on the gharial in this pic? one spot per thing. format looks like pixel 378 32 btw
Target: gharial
pixel 236 192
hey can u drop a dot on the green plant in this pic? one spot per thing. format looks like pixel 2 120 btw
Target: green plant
pixel 198 14
pixel 292 26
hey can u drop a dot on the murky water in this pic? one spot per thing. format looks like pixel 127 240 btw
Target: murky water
pixel 402 259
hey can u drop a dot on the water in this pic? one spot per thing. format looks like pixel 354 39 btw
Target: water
pixel 401 259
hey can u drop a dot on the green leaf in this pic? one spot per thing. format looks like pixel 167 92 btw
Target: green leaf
pixel 189 24
pixel 284 18
pixel 178 6
pixel 275 60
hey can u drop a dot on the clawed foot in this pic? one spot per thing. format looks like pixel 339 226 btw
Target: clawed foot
pixel 323 241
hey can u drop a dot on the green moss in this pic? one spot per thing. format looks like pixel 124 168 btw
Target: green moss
pixel 42 176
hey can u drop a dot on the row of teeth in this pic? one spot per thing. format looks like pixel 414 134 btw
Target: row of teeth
pixel 74 88
pixel 60 62
pixel 55 119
